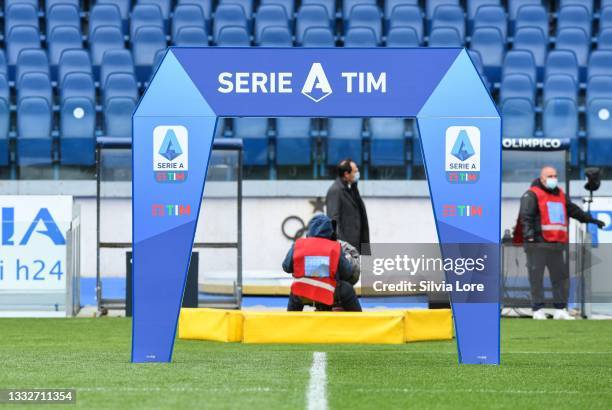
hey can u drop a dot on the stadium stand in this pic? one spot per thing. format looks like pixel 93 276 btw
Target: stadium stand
pixel 547 63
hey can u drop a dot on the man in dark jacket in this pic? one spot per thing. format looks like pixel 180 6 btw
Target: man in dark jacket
pixel 544 217
pixel 320 243
pixel 345 206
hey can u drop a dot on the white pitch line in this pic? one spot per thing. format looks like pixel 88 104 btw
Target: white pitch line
pixel 316 398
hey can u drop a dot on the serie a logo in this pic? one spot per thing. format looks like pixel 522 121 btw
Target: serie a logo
pixel 170 153
pixel 462 159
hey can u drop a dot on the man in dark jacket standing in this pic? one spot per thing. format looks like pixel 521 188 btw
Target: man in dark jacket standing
pixel 345 206
pixel 323 275
pixel 544 216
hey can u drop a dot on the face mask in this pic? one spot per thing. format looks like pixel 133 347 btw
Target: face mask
pixel 356 179
pixel 551 183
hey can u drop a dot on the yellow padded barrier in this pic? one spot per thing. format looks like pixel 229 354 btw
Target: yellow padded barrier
pixel 210 324
pixel 428 324
pixel 384 327
pixel 323 327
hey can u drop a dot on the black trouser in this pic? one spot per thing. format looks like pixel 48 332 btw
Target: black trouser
pixel 553 257
pixel 344 296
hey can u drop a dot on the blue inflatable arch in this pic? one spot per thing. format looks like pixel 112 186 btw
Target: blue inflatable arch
pixel 174 125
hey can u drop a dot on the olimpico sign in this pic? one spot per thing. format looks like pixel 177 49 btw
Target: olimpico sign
pixel 174 125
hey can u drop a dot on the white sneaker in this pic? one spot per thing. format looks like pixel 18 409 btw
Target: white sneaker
pixel 539 315
pixel 561 314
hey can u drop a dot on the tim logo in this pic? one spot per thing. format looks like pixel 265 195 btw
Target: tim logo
pixel 170 153
pixel 170 210
pixel 462 160
pixel 316 87
pixel 449 211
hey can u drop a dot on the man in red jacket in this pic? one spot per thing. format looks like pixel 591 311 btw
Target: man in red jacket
pixel 544 215
pixel 321 271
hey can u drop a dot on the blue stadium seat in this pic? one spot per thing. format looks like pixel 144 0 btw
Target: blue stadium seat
pixel 604 39
pixel 118 117
pixel 599 87
pixel 268 16
pixel 515 5
pixel 20 15
pixel 599 140
pixel 520 62
pixel 9 3
pixel 247 6
pixel 517 86
pixel 576 40
pixel 318 37
pixel 534 40
pixel 164 6
pixel 34 142
pixel 293 141
pixel 50 3
pixel 63 38
pixel 205 5
pixel 532 16
pixel 77 132
pixel 490 44
pixel 5 121
pixel 432 5
pixel 3 63
pixel 20 38
pixel 344 139
pixel 575 17
pixel 588 4
pixel 116 61
pixel 390 6
pixel 289 6
pixel 387 142
pixel 32 60
pixel 104 15
pixel 360 37
pixel 449 16
pixel 233 36
pixel 347 6
pixel 562 62
pixel 104 38
pixel 120 85
pixel 80 85
pixel 366 15
pixel 600 63
pixel 34 84
pixel 73 61
pixel 276 36
pixel 477 61
pixel 146 15
pixel 518 118
pixel 147 42
pixel 308 16
pixel 254 134
pixel 560 120
pixel 228 15
pixel 474 5
pixel 5 92
pixel 191 37
pixel 330 6
pixel 445 37
pixel 560 86
pixel 491 16
pixel 63 15
pixel 605 18
pixel 407 16
pixel 403 37
pixel 124 7
pixel 187 15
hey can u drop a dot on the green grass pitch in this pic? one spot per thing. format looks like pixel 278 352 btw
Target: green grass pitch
pixel 555 365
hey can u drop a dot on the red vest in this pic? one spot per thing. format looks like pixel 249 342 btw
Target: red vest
pixel 553 215
pixel 315 261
